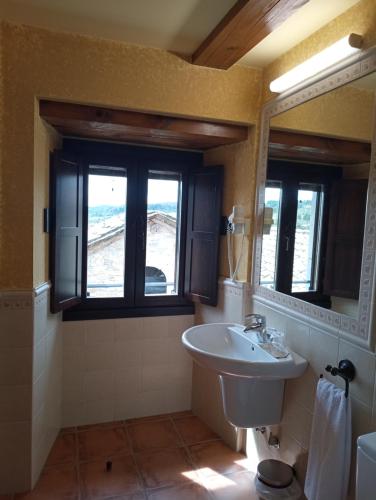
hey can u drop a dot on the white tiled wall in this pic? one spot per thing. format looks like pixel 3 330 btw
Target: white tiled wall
pixel 317 343
pixel 124 368
pixel 30 386
pixel 55 373
pixel 47 381
pixel 320 346
pixel 16 344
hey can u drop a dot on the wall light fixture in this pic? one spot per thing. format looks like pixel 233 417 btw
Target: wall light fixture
pixel 337 52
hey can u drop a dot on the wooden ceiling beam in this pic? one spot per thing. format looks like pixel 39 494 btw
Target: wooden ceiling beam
pixel 284 145
pixel 244 26
pixel 142 128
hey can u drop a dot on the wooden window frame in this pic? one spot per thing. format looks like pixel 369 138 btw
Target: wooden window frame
pixel 137 161
pixel 290 175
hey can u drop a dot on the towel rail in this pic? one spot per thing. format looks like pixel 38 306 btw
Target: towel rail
pixel 345 370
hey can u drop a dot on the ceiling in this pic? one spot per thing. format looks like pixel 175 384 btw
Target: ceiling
pixel 174 25
pixel 308 19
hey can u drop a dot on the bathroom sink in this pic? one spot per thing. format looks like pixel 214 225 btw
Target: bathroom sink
pixel 226 349
pixel 252 381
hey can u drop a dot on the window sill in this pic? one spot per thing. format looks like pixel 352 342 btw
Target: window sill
pixel 79 314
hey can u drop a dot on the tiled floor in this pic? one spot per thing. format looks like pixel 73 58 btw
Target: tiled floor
pixel 169 457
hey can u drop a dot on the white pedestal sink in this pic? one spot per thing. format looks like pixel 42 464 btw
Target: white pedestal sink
pixel 252 380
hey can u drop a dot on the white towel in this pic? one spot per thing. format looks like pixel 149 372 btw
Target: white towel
pixel 330 446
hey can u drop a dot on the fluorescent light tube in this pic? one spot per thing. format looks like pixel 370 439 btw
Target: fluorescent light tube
pixel 345 47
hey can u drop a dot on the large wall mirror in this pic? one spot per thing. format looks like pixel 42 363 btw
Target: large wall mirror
pixel 315 243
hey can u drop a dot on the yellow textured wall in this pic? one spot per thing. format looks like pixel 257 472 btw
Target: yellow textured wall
pixel 344 113
pixel 360 19
pixel 40 63
pixel 239 182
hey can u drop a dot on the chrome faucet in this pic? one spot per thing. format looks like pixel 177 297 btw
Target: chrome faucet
pixel 257 322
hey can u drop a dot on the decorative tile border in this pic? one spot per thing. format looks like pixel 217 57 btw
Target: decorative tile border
pixel 234 288
pixel 41 289
pixel 16 299
pixel 23 298
pixel 333 330
pixel 41 293
pixel 354 328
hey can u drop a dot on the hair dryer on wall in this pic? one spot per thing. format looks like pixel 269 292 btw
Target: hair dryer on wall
pixel 237 225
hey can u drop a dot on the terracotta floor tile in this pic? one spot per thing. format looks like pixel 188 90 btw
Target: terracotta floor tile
pixel 193 430
pixel 165 467
pixel 105 442
pixel 140 420
pixel 63 451
pixel 134 496
pixel 188 491
pixel 216 457
pixel 68 430
pixel 152 435
pixel 97 483
pixel 238 486
pixel 104 425
pixel 181 414
pixel 58 483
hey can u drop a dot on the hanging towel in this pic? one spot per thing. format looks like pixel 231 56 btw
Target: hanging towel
pixel 330 446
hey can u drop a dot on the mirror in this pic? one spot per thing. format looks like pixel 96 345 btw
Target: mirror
pixel 315 186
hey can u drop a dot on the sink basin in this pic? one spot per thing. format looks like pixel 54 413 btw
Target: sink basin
pixel 252 380
pixel 225 348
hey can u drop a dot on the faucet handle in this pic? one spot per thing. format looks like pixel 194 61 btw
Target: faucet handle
pixel 256 320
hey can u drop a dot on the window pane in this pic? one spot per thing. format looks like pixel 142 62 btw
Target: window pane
pixel 106 232
pixel 273 194
pixel 163 230
pixel 307 238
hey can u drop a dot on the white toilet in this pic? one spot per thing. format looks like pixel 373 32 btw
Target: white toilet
pixel 366 467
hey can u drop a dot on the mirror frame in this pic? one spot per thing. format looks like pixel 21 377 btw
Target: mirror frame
pixel 358 329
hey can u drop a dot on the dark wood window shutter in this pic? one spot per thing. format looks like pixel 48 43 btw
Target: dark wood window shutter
pixel 66 196
pixel 203 233
pixel 345 238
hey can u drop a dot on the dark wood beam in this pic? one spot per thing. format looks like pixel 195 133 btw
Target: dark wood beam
pixel 244 26
pixel 141 128
pixel 313 148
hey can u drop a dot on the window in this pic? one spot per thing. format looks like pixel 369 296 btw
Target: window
pixel 307 238
pixel 164 194
pixel 106 242
pixel 273 195
pixel 128 224
pixel 293 249
pixel 106 235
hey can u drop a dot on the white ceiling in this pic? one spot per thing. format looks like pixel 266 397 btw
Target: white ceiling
pixel 174 25
pixel 178 25
pixel 305 21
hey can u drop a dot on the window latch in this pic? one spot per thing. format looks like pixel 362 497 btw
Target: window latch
pixel 287 243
